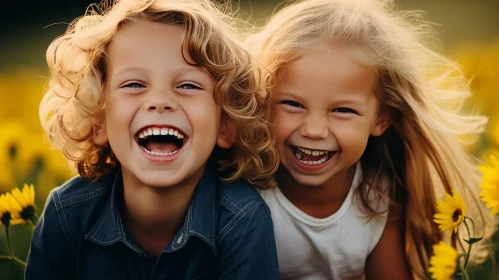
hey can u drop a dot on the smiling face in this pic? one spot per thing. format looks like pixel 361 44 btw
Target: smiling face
pixel 161 119
pixel 324 109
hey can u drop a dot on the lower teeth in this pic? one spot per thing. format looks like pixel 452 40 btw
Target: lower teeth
pixel 315 162
pixel 311 162
pixel 298 155
pixel 159 153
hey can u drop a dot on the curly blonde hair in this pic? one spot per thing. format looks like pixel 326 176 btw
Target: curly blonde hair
pixel 72 108
pixel 422 154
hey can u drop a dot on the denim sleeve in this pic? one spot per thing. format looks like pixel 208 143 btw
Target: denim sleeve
pixel 248 251
pixel 51 255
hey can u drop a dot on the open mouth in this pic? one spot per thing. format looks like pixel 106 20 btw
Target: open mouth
pixel 161 141
pixel 311 157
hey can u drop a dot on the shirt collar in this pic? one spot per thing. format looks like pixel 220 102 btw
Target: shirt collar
pixel 200 220
pixel 109 227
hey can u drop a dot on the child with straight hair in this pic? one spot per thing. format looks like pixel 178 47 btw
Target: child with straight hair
pixel 160 108
pixel 369 132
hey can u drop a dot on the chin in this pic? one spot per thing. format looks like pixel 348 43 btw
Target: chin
pixel 160 184
pixel 310 181
pixel 161 180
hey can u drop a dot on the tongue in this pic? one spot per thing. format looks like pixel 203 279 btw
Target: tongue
pixel 162 147
pixel 306 157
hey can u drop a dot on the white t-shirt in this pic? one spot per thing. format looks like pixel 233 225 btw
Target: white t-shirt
pixel 332 248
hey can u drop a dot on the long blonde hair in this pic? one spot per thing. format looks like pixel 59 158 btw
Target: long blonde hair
pixel 422 153
pixel 71 110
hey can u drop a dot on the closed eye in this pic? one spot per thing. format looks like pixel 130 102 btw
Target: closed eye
pixel 344 110
pixel 133 85
pixel 189 86
pixel 291 103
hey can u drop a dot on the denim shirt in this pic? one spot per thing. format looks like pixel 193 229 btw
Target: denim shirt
pixel 227 234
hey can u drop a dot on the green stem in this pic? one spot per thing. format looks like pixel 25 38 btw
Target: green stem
pixel 464 273
pixel 9 258
pixel 12 257
pixel 8 242
pixel 472 222
pixel 19 262
pixel 469 247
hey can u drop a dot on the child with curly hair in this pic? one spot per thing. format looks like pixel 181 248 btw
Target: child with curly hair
pixel 160 108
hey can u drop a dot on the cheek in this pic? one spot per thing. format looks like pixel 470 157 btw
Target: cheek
pixel 283 126
pixel 118 117
pixel 351 136
pixel 203 113
pixel 122 106
pixel 120 112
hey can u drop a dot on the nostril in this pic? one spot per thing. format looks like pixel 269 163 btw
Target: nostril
pixel 160 108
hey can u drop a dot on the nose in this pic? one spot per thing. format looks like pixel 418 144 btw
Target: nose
pixel 161 101
pixel 315 127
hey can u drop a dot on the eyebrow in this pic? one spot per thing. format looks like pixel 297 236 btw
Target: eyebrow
pixel 354 102
pixel 288 94
pixel 180 70
pixel 128 69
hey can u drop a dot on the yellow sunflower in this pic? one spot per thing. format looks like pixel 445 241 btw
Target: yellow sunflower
pixel 4 211
pixel 8 215
pixel 443 262
pixel 490 183
pixel 452 212
pixel 23 202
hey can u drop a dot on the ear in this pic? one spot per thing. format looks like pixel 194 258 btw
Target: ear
pixel 383 121
pixel 100 134
pixel 228 134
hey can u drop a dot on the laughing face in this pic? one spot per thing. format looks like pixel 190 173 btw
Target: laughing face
pixel 161 118
pixel 324 109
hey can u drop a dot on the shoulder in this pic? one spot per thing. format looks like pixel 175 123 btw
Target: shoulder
pixel 245 237
pixel 363 195
pixel 62 225
pixel 71 208
pixel 238 195
pixel 269 195
pixel 239 203
pixel 372 224
pixel 80 191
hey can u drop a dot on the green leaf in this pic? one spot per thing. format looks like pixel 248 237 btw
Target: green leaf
pixel 473 240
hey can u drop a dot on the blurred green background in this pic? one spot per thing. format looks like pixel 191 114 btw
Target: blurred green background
pixel 469 33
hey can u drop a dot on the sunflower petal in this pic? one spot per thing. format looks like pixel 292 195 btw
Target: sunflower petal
pixel 13 203
pixel 447 207
pixel 32 194
pixel 490 183
pixel 4 204
pixel 18 196
pixel 26 194
pixel 443 262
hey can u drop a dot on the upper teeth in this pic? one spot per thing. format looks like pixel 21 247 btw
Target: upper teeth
pixel 324 156
pixel 312 152
pixel 160 131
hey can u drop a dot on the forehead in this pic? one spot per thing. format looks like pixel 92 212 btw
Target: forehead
pixel 142 38
pixel 329 67
pixel 150 45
